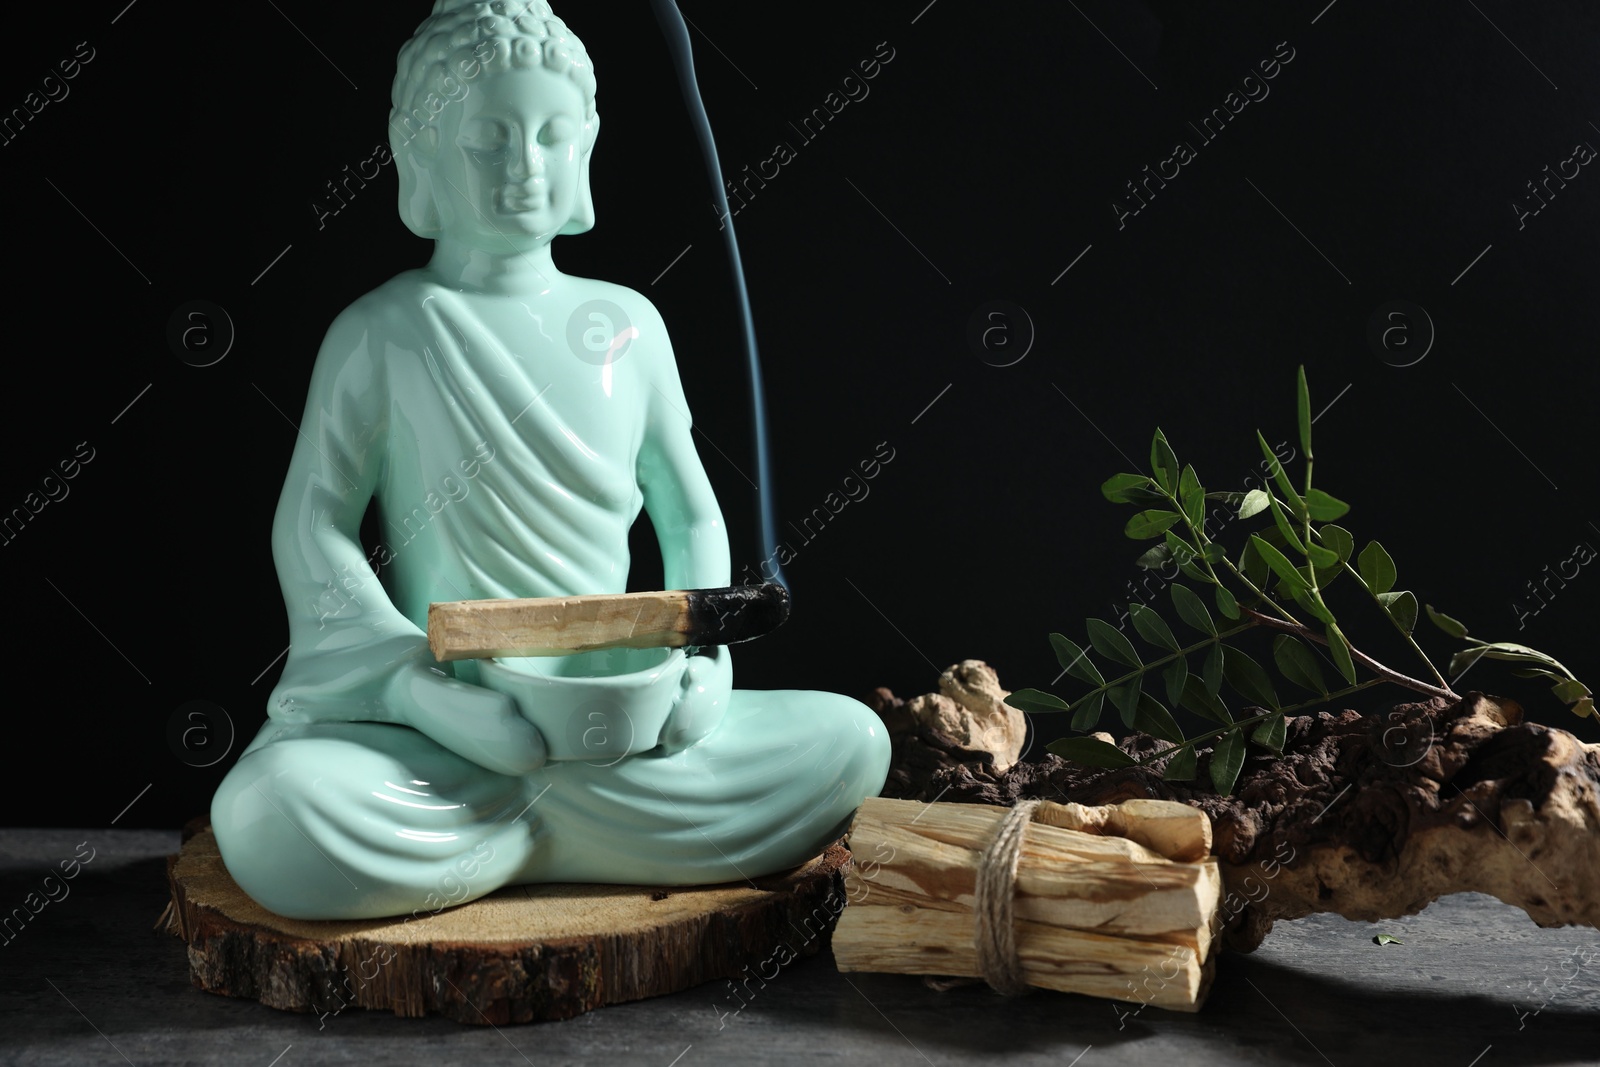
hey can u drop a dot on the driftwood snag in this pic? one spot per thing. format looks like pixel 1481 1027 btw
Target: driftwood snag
pixel 967 714
pixel 1127 917
pixel 523 954
pixel 1366 816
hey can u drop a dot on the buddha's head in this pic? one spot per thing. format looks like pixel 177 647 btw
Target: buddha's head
pixel 493 125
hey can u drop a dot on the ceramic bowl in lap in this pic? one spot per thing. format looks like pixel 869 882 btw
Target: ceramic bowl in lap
pixel 594 706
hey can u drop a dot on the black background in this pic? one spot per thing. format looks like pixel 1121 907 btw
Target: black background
pixel 984 161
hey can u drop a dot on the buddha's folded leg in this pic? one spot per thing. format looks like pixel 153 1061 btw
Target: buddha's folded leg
pixel 772 786
pixel 362 820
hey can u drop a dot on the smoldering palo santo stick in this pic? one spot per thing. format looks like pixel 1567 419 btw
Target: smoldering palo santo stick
pixel 560 626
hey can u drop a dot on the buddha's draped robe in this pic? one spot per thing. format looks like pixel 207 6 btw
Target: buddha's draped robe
pixel 485 488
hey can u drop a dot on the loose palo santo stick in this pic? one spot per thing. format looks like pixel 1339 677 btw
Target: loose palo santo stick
pixel 560 626
pixel 1177 831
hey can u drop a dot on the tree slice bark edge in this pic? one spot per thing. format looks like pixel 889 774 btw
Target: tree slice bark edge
pixel 428 967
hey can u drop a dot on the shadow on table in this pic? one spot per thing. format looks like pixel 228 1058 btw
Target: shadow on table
pixel 1259 1011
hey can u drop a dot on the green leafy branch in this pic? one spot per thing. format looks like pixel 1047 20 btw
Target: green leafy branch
pixel 1294 560
pixel 1566 688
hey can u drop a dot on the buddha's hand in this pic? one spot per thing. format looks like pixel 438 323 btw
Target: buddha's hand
pixel 475 723
pixel 703 697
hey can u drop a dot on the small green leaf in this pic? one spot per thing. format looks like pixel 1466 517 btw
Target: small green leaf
pixel 1211 673
pixel 1191 570
pixel 1181 766
pixel 1339 539
pixel 1376 568
pixel 1297 663
pixel 1339 649
pixel 1252 566
pixel 1163 463
pixel 1090 752
pixel 1321 557
pixel 1036 700
pixel 1199 701
pixel 1087 717
pixel 1126 698
pixel 1180 549
pixel 1281 519
pixel 1247 677
pixel 1192 610
pixel 1302 407
pixel 1116 487
pixel 1402 608
pixel 1569 690
pixel 1153 718
pixel 1293 580
pixel 1325 508
pixel 1109 642
pixel 1444 622
pixel 1227 757
pixel 1462 661
pixel 1154 557
pixel 1226 603
pixel 1514 651
pixel 1177 676
pixel 1192 496
pixel 1152 627
pixel 1584 708
pixel 1255 502
pixel 1270 733
pixel 1386 939
pixel 1281 476
pixel 1187 558
pixel 1075 661
pixel 1152 523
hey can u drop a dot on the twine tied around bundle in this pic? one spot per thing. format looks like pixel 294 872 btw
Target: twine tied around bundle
pixel 994 929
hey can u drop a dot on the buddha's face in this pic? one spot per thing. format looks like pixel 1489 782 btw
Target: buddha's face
pixel 507 170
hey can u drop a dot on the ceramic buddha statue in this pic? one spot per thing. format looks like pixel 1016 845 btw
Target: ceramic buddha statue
pixel 504 462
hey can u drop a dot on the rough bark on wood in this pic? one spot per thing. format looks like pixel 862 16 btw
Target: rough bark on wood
pixel 1367 816
pixel 523 954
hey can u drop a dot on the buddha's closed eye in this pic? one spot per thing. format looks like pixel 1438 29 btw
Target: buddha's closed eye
pixel 488 143
pixel 558 130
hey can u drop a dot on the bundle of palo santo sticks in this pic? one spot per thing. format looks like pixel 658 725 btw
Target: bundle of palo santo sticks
pixel 1119 901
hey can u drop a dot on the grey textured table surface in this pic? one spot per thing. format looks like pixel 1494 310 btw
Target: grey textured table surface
pixel 1475 984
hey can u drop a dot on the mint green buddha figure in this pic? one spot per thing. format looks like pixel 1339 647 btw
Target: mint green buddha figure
pixel 504 463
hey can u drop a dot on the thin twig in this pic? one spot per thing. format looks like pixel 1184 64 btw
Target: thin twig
pixel 1365 660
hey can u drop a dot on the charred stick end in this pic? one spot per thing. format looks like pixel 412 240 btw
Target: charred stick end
pixel 737 614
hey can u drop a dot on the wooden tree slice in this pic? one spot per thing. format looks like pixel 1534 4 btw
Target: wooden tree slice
pixel 523 954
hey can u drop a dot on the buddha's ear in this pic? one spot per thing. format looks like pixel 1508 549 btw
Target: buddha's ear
pixel 413 148
pixel 582 220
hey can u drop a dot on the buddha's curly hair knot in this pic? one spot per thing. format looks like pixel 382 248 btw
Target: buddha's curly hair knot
pixel 462 39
